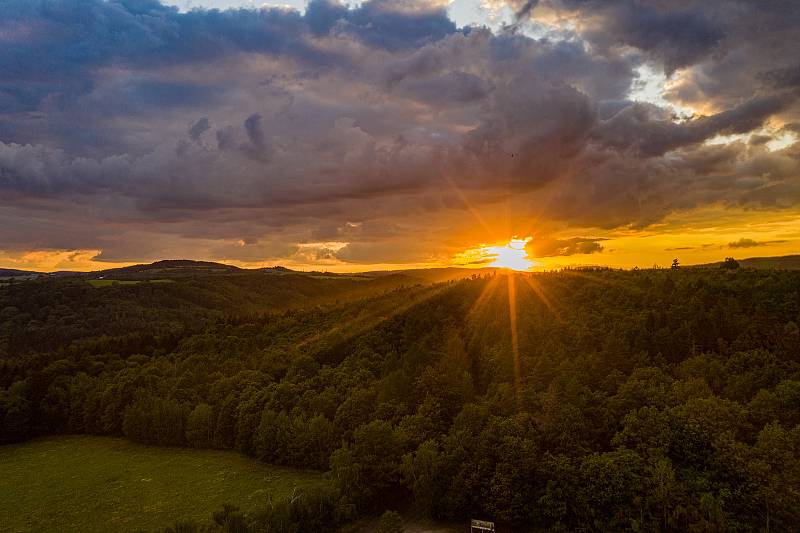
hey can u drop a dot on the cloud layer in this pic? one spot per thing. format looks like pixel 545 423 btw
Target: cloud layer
pixel 132 128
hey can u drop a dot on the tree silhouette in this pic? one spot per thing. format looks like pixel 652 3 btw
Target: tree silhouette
pixel 730 263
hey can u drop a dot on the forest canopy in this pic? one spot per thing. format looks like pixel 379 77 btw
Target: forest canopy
pixel 651 400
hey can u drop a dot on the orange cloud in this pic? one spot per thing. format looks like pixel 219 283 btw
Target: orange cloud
pixel 53 260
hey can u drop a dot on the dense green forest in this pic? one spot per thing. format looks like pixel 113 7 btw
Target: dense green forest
pixel 652 400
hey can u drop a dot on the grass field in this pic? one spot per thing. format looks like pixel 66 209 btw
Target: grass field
pixel 81 483
pixel 110 282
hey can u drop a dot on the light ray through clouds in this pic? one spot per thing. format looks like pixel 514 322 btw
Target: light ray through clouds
pixel 492 290
pixel 380 312
pixel 540 293
pixel 512 322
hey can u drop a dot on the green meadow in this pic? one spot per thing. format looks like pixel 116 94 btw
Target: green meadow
pixel 82 483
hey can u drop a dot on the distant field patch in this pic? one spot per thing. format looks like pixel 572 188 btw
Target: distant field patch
pixel 82 483
pixel 109 282
pixel 342 276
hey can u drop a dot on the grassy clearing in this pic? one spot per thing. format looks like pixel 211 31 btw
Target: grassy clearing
pixel 110 282
pixel 82 483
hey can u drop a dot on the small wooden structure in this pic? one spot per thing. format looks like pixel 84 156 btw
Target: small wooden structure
pixel 477 526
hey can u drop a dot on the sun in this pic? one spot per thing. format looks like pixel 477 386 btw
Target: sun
pixel 512 255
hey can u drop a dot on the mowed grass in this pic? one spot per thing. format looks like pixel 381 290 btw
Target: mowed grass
pixel 83 483
pixel 109 282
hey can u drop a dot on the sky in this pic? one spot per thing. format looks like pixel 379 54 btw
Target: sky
pixel 398 133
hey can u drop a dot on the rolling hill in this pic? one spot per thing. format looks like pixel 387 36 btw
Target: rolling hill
pixel 7 273
pixel 169 268
pixel 785 262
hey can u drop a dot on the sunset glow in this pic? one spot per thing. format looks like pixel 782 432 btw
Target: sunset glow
pixel 512 255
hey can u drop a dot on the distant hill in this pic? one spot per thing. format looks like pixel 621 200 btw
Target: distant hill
pixel 154 300
pixel 785 262
pixel 185 268
pixel 169 268
pixel 14 273
pixel 66 274
pixel 277 270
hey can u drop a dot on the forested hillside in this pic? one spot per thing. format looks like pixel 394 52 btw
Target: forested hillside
pixel 54 314
pixel 653 400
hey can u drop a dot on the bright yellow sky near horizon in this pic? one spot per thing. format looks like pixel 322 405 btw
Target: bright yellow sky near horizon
pixel 700 236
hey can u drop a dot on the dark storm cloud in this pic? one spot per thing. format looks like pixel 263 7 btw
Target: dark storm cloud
pixel 782 78
pixel 677 34
pixel 677 38
pixel 525 9
pixel 651 131
pixel 531 130
pixel 389 24
pixel 56 41
pixel 258 146
pixel 266 126
pixel 64 39
pixel 255 131
pixel 225 138
pixel 197 129
pixel 750 243
pixel 381 23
